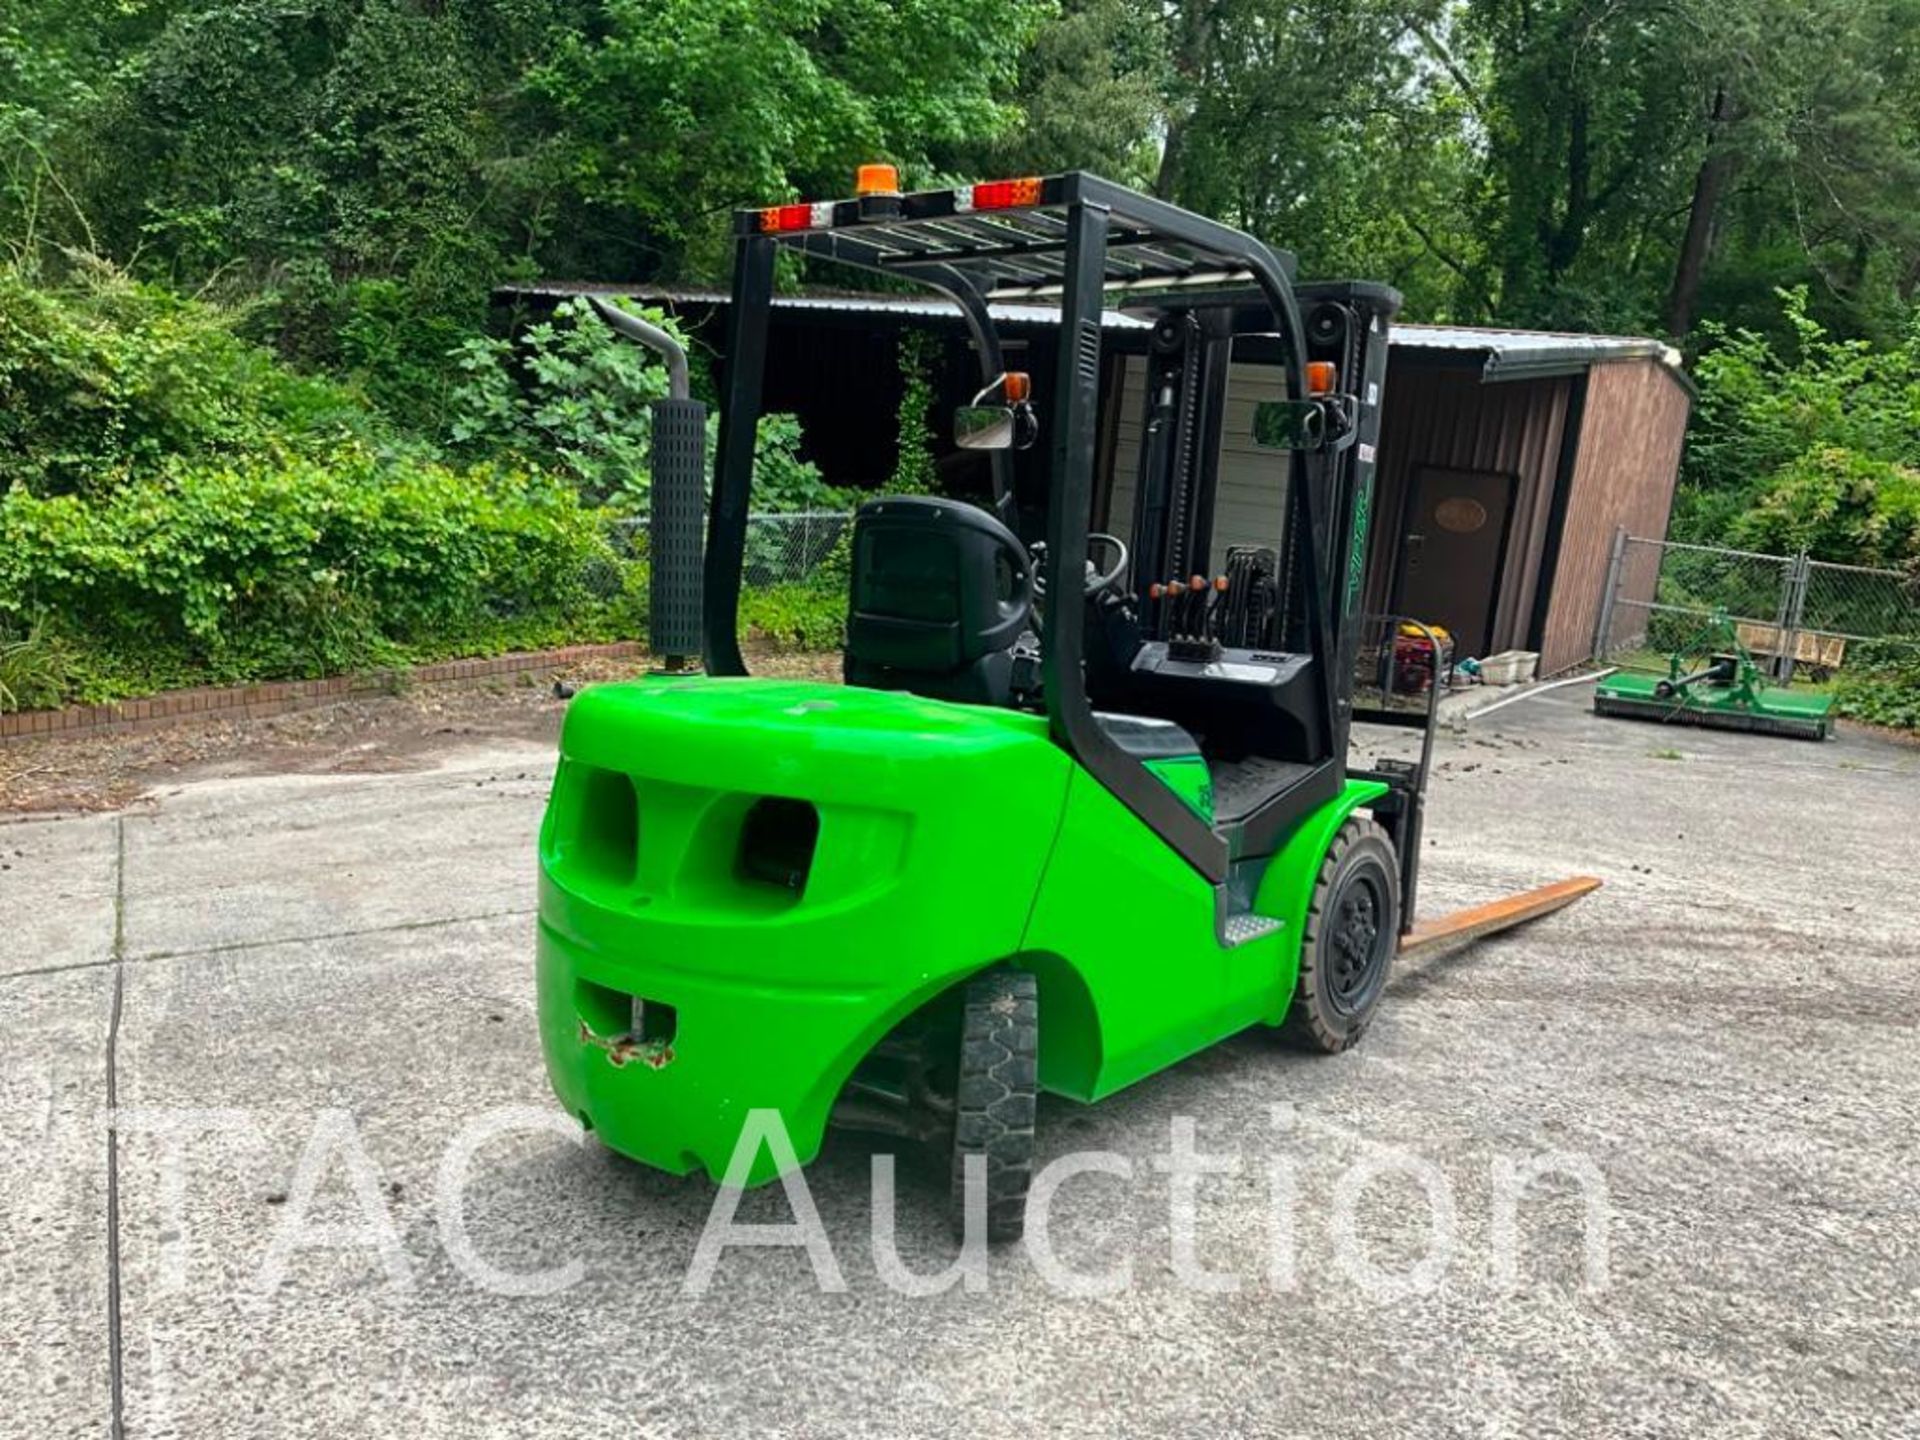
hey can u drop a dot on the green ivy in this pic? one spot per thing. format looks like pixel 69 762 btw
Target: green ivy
pixel 806 615
pixel 802 617
pixel 572 396
pixel 264 568
pixel 568 394
pixel 1881 683
pixel 914 472
pixel 104 380
pixel 1811 446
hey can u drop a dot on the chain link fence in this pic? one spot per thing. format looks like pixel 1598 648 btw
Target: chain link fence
pixel 1858 602
pixel 1796 614
pixel 781 549
pixel 793 580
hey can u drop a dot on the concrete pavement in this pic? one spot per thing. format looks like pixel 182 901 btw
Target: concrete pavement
pixel 1727 1036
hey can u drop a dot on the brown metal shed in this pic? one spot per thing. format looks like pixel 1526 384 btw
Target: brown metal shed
pixel 1628 455
pixel 1585 432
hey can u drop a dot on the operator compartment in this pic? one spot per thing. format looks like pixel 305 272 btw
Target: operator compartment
pixel 1154 543
pixel 1254 713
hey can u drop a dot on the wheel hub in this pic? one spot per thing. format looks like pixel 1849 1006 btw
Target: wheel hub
pixel 1355 942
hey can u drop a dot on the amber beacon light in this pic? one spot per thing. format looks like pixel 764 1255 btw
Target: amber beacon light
pixel 876 180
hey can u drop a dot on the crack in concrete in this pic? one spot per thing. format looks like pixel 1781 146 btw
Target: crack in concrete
pixel 120 959
pixel 116 1380
pixel 398 926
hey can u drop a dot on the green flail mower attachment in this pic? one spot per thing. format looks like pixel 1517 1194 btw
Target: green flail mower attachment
pixel 1715 682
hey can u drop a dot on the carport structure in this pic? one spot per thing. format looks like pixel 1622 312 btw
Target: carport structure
pixel 1508 458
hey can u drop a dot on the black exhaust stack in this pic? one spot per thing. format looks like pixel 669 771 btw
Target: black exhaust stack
pixel 676 524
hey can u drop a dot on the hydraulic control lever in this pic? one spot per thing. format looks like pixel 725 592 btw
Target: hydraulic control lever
pixel 1190 615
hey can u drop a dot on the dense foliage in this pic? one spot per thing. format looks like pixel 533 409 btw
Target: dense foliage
pixel 184 507
pixel 366 169
pixel 1812 445
pixel 232 570
pixel 1881 684
pixel 249 245
pixel 568 395
pixel 104 380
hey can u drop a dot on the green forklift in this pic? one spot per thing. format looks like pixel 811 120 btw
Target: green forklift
pixel 1083 806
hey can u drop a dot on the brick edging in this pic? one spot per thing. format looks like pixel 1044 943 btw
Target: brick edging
pixel 277 697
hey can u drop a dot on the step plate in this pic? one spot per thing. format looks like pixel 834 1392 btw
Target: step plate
pixel 1239 929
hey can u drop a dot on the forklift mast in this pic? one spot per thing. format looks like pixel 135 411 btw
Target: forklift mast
pixel 1347 324
pixel 1186 391
pixel 1190 355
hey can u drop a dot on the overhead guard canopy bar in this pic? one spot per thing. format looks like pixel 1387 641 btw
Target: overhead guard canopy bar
pixel 1012 240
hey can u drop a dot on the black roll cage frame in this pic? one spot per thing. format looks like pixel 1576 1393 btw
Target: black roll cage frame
pixel 1097 237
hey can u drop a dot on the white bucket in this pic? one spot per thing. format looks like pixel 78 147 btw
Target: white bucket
pixel 1510 667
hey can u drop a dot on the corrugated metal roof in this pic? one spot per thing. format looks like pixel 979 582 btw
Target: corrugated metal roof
pixel 1509 354
pixel 855 303
pixel 1513 353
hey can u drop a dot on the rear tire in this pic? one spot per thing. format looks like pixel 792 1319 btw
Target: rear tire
pixel 996 1097
pixel 1352 932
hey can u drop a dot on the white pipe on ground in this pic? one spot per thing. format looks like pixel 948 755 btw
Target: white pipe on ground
pixel 1540 690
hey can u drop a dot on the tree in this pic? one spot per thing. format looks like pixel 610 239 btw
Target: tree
pixel 1808 99
pixel 1317 125
pixel 675 111
pixel 1091 96
pixel 1636 147
pixel 363 172
pixel 1812 443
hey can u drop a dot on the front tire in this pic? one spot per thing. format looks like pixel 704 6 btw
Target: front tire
pixel 996 1097
pixel 1352 932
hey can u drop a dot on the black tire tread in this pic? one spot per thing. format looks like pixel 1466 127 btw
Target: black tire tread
pixel 1305 1025
pixel 997 1096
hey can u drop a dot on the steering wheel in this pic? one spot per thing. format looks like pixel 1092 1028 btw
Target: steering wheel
pixel 1097 579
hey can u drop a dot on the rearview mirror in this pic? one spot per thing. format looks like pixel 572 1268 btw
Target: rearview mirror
pixel 1289 425
pixel 983 427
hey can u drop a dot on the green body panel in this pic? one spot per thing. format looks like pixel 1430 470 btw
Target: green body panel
pixel 1188 777
pixel 935 823
pixel 951 837
pixel 1124 940
pixel 1134 924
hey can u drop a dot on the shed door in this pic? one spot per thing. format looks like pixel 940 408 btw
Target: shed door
pixel 1450 555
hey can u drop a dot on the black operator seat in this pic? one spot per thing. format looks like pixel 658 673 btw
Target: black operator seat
pixel 1239 701
pixel 941 590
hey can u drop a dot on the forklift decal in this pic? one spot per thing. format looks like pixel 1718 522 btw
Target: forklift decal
pixel 1357 552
